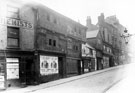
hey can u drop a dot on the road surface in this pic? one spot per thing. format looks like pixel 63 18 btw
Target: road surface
pixel 94 82
pixel 98 83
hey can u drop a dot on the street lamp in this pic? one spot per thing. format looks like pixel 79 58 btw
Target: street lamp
pixel 126 36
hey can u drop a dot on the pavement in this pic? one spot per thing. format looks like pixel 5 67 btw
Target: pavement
pixel 56 82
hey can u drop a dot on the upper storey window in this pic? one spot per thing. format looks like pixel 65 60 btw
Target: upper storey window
pixel 12 37
pixel 12 11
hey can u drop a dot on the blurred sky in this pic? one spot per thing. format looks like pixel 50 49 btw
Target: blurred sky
pixel 80 9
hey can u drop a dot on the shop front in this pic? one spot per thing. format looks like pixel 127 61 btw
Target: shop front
pixel 73 66
pixel 50 66
pixel 88 58
pixel 105 61
pixel 99 57
pixel 13 70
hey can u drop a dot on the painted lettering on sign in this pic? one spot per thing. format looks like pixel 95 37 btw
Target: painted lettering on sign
pixel 15 23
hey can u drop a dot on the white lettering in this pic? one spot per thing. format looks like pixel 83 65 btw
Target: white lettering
pixel 15 23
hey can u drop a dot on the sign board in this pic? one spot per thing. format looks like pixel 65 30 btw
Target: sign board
pixel 12 60
pixel 48 65
pixel 16 23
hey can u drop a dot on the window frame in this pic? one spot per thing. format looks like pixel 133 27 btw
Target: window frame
pixel 13 37
pixel 12 11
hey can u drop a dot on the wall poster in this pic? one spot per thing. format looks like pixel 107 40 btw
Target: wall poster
pixel 48 65
pixel 12 68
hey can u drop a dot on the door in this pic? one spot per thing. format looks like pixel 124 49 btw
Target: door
pixel 61 67
pixel 30 71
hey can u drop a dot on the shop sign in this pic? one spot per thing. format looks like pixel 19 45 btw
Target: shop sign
pixel 48 65
pixel 12 60
pixel 16 23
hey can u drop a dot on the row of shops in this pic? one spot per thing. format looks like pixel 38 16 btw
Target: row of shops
pixel 38 45
pixel 19 68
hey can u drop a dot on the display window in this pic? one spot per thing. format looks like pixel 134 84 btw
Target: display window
pixel 12 66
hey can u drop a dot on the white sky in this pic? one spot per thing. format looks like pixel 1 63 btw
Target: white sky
pixel 80 9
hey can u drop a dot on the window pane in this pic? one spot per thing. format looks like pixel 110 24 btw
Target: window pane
pixel 11 42
pixel 50 41
pixel 13 32
pixel 54 42
pixel 12 14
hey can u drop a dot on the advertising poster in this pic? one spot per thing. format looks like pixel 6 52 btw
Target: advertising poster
pixel 12 71
pixel 12 68
pixel 48 65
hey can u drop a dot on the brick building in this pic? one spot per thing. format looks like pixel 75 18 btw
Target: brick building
pixel 37 44
pixel 107 41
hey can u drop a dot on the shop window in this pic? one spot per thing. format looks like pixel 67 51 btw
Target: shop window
pixel 12 11
pixel 12 65
pixel 12 37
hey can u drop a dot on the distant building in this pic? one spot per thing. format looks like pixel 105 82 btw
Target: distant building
pixel 89 62
pixel 94 38
pixel 108 33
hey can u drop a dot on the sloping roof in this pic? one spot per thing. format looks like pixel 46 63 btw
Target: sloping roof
pixel 92 34
pixel 89 46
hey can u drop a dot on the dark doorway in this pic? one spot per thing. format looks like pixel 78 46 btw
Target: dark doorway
pixel 61 67
pixel 79 67
pixel 30 71
pixel 99 64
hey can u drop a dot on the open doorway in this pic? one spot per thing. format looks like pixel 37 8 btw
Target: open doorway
pixel 61 67
pixel 30 71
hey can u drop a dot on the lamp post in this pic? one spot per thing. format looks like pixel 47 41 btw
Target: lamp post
pixel 126 36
